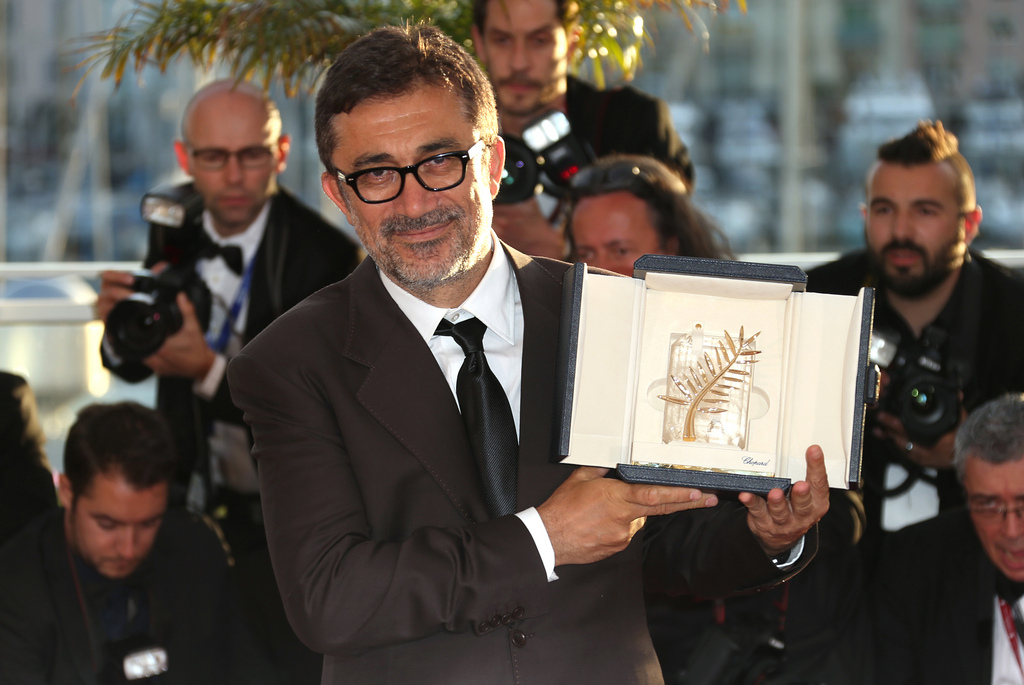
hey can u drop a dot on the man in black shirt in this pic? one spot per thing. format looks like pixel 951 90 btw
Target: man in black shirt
pixel 950 312
pixel 526 46
pixel 114 586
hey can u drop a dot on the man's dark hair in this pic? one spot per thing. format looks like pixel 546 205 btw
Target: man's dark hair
pixel 668 202
pixel 930 143
pixel 993 433
pixel 392 61
pixel 567 11
pixel 124 438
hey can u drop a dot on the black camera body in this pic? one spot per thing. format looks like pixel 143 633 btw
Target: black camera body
pixel 546 157
pixel 138 325
pixel 924 389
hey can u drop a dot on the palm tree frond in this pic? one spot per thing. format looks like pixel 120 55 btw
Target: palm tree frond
pixel 291 41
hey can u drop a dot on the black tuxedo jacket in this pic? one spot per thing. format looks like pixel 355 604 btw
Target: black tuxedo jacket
pixel 49 631
pixel 385 555
pixel 299 254
pixel 933 605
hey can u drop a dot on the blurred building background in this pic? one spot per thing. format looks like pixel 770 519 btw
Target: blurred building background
pixel 782 108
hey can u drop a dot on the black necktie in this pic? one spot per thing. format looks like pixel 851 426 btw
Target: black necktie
pixel 231 254
pixel 487 416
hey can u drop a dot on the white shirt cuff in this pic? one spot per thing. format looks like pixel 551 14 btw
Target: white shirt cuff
pixel 533 522
pixel 207 387
pixel 795 553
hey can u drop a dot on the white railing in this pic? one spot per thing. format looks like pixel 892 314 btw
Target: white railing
pixel 80 309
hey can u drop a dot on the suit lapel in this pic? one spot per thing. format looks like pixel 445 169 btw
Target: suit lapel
pixel 541 293
pixel 406 392
pixel 261 307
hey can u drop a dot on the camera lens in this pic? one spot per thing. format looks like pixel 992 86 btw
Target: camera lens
pixel 137 327
pixel 929 408
pixel 520 176
pixel 925 403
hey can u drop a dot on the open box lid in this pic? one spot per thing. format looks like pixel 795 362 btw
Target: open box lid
pixel 619 342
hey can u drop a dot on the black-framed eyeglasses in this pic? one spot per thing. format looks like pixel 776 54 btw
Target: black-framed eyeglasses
pixel 993 509
pixel 214 158
pixel 440 172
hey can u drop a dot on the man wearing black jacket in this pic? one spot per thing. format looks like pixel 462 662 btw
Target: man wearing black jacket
pixel 233 149
pixel 526 46
pixel 114 582
pixel 950 312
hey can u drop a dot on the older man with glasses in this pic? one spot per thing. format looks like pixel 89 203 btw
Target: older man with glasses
pixel 260 251
pixel 947 597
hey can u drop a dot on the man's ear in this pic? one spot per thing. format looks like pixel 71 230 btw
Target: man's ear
pixel 329 182
pixel 181 152
pixel 284 144
pixel 64 492
pixel 972 223
pixel 497 166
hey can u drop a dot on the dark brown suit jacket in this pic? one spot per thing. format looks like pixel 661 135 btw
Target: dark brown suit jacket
pixel 382 546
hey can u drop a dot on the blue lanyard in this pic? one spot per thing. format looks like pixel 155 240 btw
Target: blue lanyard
pixel 221 341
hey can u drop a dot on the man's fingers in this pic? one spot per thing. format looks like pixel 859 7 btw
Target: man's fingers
pixel 121 279
pixel 817 474
pixel 755 504
pixel 663 495
pixel 185 305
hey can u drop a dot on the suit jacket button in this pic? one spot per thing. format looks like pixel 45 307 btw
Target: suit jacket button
pixel 496 621
pixel 506 619
pixel 518 613
pixel 518 638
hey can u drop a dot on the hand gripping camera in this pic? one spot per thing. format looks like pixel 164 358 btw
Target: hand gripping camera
pixel 548 155
pixel 138 325
pixel 923 390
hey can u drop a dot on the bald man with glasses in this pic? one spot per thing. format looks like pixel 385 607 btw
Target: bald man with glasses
pixel 263 252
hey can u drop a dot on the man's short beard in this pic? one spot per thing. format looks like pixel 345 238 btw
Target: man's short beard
pixel 440 261
pixel 547 93
pixel 936 271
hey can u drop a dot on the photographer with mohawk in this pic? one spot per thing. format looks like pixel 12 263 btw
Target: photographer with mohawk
pixel 946 315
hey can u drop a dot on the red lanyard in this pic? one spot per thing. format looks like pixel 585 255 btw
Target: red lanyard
pixel 1011 632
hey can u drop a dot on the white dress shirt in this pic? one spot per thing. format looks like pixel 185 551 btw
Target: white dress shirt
pixel 230 460
pixel 1005 667
pixel 496 302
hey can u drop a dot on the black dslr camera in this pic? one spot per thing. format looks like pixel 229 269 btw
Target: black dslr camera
pixel 548 155
pixel 139 324
pixel 923 390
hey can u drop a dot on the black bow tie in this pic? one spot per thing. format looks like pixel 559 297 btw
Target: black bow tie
pixel 231 254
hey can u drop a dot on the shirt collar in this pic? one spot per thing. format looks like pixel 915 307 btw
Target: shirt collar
pixel 493 300
pixel 249 239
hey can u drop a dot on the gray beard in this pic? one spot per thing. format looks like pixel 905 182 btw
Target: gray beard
pixel 444 259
